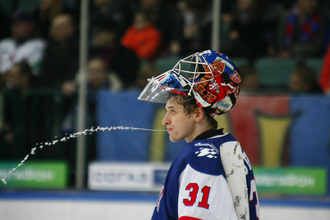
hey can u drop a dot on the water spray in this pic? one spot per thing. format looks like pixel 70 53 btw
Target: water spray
pixel 73 135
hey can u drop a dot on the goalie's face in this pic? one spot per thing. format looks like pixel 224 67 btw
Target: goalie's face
pixel 181 125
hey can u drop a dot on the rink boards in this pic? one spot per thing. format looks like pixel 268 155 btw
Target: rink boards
pixel 73 205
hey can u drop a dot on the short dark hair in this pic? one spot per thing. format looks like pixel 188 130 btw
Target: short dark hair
pixel 22 16
pixel 189 106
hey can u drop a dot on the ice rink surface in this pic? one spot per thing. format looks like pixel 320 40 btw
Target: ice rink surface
pixel 87 205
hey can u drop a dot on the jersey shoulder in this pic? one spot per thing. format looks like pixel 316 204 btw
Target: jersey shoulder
pixel 204 155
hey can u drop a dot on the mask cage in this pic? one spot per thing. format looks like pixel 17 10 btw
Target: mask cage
pixel 192 68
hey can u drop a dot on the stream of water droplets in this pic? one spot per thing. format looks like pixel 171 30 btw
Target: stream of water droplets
pixel 73 135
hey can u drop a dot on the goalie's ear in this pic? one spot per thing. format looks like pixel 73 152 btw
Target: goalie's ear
pixel 199 114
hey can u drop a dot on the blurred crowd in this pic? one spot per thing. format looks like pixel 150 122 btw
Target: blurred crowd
pixel 39 49
pixel 127 37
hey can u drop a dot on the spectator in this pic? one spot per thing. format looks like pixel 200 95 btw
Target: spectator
pixel 142 37
pixel 16 129
pixel 23 45
pixel 62 53
pixel 301 31
pixel 98 78
pixel 21 80
pixel 250 80
pixel 325 73
pixel 168 21
pixel 304 80
pixel 45 14
pixel 119 11
pixel 196 27
pixel 119 59
pixel 246 31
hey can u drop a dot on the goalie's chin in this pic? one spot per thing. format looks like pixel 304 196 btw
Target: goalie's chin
pixel 174 138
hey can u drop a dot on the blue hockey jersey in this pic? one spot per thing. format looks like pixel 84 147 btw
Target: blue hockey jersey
pixel 196 187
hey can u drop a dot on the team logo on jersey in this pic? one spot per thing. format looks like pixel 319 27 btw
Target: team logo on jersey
pixel 207 150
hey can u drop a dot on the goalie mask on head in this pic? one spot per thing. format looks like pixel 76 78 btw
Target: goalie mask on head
pixel 209 77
